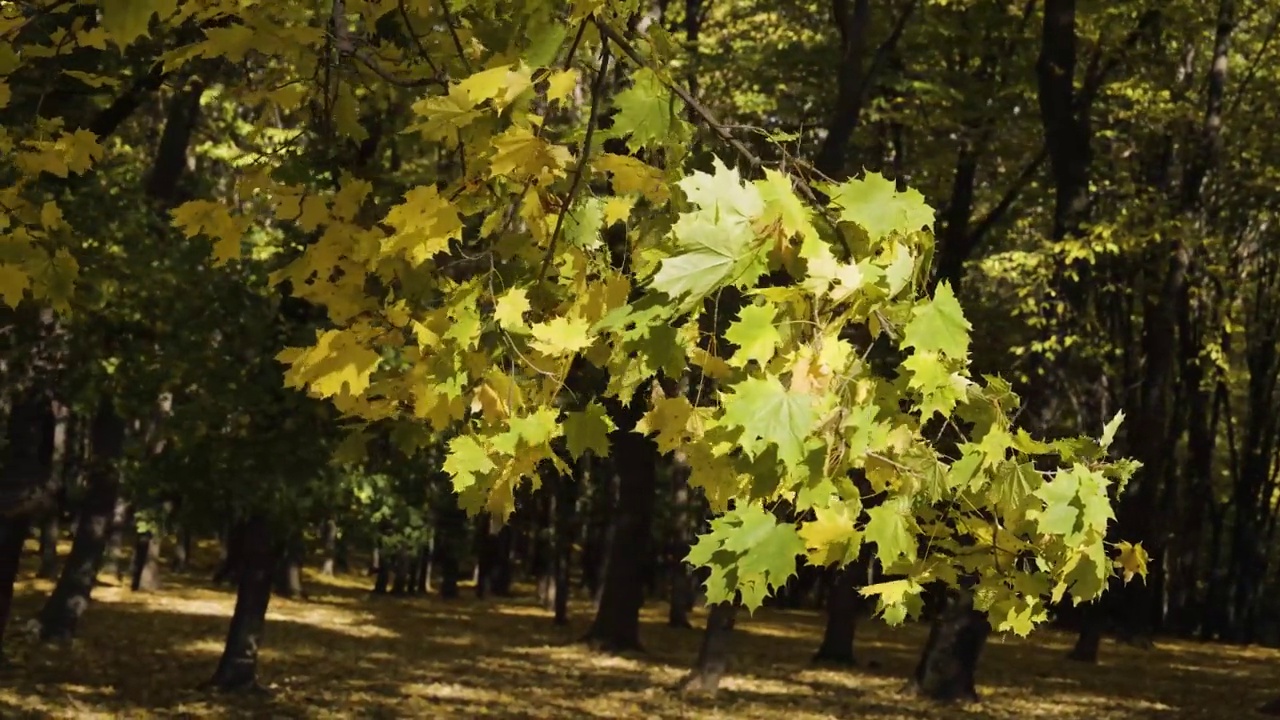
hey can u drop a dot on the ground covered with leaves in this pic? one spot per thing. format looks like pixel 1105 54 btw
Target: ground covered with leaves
pixel 341 654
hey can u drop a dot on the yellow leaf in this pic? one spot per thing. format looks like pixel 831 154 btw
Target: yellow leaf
pixel 510 309
pixel 618 209
pixel 669 420
pixel 13 284
pixel 1132 560
pixel 202 217
pixel 561 336
pixel 127 20
pixel 561 83
pixel 51 216
pixel 632 175
pixel 831 536
pixel 424 224
pixel 338 363
pixel 518 153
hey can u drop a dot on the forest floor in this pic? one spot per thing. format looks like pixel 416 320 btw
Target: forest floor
pixel 341 654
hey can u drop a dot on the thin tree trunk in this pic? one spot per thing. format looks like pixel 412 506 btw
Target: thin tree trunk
pixel 13 534
pixel 238 668
pixel 950 659
pixel 330 547
pixel 713 655
pixel 681 599
pixel 288 577
pixel 616 627
pixel 70 598
pixel 566 501
pixel 49 532
pixel 111 566
pixel 842 616
pixel 146 562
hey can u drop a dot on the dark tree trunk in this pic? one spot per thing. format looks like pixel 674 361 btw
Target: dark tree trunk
pixel 237 669
pixel 146 562
pixel 182 549
pixel 565 501
pixel 842 617
pixel 713 655
pixel 616 627
pixel 451 527
pixel 1092 620
pixel 382 576
pixel 49 532
pixel 70 598
pixel 401 582
pixel 946 669
pixel 681 599
pixel 501 573
pixel 13 534
pixel 232 555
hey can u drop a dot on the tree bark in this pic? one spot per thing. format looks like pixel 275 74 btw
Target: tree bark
pixel 682 595
pixel 13 534
pixel 146 562
pixel 330 548
pixel 288 576
pixel 946 669
pixel 49 533
pixel 238 668
pixel 111 565
pixel 70 597
pixel 616 627
pixel 842 617
pixel 713 655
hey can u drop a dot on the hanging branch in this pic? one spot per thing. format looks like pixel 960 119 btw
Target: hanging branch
pixel 597 89
pixel 707 117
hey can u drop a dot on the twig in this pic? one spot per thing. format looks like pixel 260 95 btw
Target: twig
pixel 400 82
pixel 453 33
pixel 597 89
pixel 417 41
pixel 716 126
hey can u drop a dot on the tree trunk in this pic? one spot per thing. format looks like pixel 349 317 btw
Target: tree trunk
pixel 146 562
pixel 49 546
pixel 1092 619
pixel 426 566
pixel 616 627
pixel 181 549
pixel 501 573
pixel 713 656
pixel 842 617
pixel 237 669
pixel 70 598
pixel 330 548
pixel 13 534
pixel 566 501
pixel 232 555
pixel 111 565
pixel 288 577
pixel 950 659
pixel 681 599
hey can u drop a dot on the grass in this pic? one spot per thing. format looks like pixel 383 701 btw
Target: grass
pixel 342 654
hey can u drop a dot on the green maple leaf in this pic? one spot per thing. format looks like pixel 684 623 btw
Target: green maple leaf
pixel 768 412
pixel 588 430
pixel 939 325
pixel 693 274
pixel 647 112
pixel 890 528
pixel 127 20
pixel 1060 515
pixel 783 207
pixel 754 334
pixel 900 270
pixel 940 389
pixel 722 195
pixel 874 203
pixel 1109 432
pixel 465 460
pixel 831 537
pixel 537 428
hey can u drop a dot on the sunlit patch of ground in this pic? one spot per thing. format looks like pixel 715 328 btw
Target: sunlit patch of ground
pixel 341 654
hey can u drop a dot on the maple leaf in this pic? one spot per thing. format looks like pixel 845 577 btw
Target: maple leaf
pixel 768 412
pixel 632 175
pixel 874 203
pixel 669 419
pixel 939 325
pixel 780 205
pixel 890 527
pixel 13 284
pixel 723 194
pixel 831 538
pixel 588 429
pixel 1132 560
pixel 465 460
pixel 561 336
pixel 647 111
pixel 754 334
pixel 509 310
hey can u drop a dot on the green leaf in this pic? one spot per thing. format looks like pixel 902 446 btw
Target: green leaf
pixel 647 112
pixel 127 20
pixel 891 527
pixel 1109 432
pixel 465 460
pixel 754 334
pixel 769 413
pixel 874 203
pixel 588 430
pixel 939 325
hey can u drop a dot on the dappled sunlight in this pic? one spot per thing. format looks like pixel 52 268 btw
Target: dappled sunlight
pixel 346 654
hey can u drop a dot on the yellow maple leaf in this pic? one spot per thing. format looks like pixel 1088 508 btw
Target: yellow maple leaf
pixel 13 284
pixel 424 223
pixel 618 209
pixel 831 537
pixel 631 175
pixel 202 217
pixel 338 363
pixel 668 419
pixel 561 336
pixel 561 83
pixel 519 154
pixel 510 309
pixel 1132 560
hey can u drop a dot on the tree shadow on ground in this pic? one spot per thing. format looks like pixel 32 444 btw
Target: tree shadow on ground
pixel 345 654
